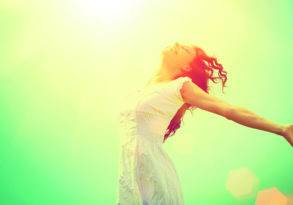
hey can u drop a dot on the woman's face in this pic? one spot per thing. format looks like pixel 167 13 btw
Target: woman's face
pixel 178 56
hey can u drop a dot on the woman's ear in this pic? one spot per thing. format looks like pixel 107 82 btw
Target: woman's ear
pixel 186 68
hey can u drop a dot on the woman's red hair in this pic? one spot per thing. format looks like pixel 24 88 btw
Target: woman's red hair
pixel 202 70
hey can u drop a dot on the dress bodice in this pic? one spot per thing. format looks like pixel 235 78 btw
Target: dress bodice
pixel 149 112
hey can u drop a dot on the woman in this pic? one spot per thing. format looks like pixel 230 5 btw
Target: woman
pixel 147 175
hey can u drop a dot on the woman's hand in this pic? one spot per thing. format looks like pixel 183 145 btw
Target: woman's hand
pixel 288 134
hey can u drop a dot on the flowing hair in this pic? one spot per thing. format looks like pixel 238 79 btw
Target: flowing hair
pixel 202 70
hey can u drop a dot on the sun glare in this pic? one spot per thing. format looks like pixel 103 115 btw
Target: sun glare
pixel 108 11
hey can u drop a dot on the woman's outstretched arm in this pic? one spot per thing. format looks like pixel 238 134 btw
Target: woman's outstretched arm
pixel 250 119
pixel 195 96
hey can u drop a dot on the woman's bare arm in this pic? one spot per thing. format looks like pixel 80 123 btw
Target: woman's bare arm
pixel 250 119
pixel 195 96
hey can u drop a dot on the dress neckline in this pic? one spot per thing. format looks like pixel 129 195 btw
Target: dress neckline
pixel 146 88
pixel 159 83
pixel 154 85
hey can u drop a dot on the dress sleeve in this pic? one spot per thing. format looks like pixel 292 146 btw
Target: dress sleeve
pixel 179 85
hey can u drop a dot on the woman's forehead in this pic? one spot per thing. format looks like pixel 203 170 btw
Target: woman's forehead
pixel 189 48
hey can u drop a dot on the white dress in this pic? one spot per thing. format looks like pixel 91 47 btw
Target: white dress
pixel 146 174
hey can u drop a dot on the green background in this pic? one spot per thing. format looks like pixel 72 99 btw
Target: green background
pixel 66 65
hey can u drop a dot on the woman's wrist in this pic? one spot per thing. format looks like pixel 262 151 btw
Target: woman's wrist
pixel 288 133
pixel 283 130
